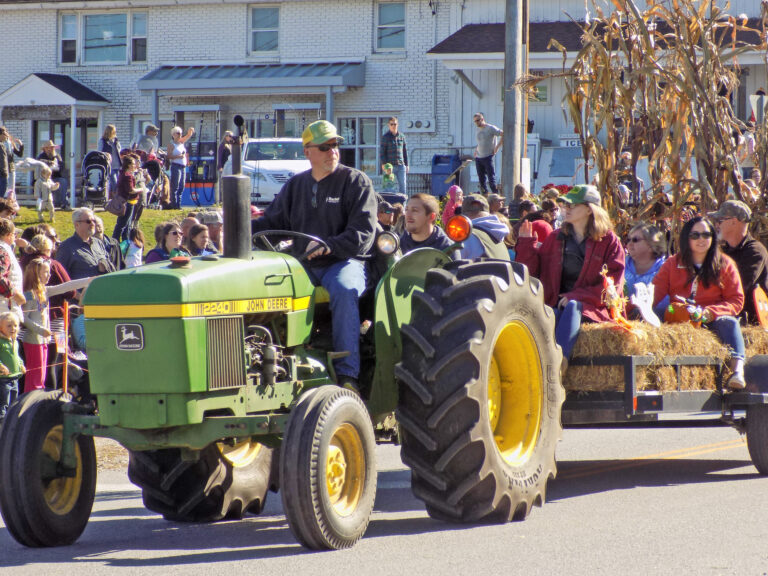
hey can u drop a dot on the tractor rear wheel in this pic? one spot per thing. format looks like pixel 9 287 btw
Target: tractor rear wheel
pixel 41 504
pixel 226 481
pixel 328 469
pixel 480 393
pixel 757 436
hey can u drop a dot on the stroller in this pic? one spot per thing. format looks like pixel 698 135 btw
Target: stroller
pixel 158 192
pixel 96 168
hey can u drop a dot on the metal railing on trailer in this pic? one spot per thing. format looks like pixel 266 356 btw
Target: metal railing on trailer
pixel 633 405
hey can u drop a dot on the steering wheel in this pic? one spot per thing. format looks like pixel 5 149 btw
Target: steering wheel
pixel 263 238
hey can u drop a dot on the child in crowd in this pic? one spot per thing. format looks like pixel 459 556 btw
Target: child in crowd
pixel 37 323
pixel 11 278
pixel 388 180
pixel 44 188
pixel 11 364
pixel 133 248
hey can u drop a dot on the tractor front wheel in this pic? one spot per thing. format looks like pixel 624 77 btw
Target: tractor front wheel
pixel 43 505
pixel 328 469
pixel 480 393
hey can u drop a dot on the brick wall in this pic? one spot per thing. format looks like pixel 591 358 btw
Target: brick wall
pixel 407 84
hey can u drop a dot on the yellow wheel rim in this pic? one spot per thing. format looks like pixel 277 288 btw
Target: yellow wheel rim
pixel 241 454
pixel 345 470
pixel 61 493
pixel 515 393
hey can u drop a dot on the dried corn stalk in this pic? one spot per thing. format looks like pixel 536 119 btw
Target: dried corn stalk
pixel 659 82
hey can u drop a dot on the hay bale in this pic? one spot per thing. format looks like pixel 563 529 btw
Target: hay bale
pixel 668 340
pixel 756 340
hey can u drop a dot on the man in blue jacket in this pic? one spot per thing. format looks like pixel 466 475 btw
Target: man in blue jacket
pixel 337 204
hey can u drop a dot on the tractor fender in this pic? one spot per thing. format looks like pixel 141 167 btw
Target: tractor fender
pixel 393 310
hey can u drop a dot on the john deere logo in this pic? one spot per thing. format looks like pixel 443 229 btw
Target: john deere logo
pixel 129 337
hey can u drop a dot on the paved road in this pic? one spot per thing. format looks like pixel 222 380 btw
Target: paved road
pixel 627 501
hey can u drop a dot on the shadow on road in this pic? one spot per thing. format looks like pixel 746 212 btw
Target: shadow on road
pixel 143 539
pixel 582 477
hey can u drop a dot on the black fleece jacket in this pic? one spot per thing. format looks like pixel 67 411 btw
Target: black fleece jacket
pixel 343 213
pixel 751 258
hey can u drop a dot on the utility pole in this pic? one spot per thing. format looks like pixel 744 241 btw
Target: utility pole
pixel 514 52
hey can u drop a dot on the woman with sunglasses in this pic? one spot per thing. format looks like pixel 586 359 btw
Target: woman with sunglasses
pixel 169 245
pixel 646 248
pixel 703 275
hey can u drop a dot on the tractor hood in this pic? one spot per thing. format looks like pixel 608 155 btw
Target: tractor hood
pixel 217 285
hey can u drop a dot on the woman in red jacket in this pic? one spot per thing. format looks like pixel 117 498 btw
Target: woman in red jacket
pixel 570 260
pixel 700 272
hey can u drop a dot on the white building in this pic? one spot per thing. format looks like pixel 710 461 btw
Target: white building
pixel 281 65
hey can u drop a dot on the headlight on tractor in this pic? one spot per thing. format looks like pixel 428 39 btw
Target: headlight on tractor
pixel 387 243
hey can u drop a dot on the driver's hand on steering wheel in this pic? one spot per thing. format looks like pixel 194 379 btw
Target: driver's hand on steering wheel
pixel 314 250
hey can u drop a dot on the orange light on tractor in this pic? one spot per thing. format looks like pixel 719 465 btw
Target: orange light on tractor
pixel 458 228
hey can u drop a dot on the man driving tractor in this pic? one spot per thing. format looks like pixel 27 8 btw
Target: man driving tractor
pixel 336 204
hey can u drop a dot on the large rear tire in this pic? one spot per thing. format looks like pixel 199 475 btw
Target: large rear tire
pixel 480 393
pixel 757 436
pixel 225 482
pixel 328 469
pixel 41 506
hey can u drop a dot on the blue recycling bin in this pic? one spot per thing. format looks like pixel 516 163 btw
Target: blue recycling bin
pixel 442 167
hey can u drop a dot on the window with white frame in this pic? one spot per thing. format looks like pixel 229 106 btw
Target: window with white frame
pixel 362 137
pixel 539 92
pixel 103 38
pixel 265 28
pixel 390 26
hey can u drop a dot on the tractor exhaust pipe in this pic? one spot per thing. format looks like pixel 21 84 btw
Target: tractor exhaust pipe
pixel 236 198
pixel 237 217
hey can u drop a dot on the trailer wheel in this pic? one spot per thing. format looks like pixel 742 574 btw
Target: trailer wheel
pixel 328 469
pixel 41 505
pixel 757 436
pixel 225 482
pixel 480 393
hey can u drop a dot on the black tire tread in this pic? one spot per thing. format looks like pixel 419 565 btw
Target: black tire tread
pixel 207 490
pixel 757 437
pixel 26 513
pixel 303 483
pixel 444 444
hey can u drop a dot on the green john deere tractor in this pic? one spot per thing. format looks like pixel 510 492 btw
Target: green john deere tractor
pixel 216 374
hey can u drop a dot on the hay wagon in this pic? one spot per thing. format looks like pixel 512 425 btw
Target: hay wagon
pixel 655 374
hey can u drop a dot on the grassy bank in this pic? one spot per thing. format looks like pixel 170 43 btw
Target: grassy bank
pixel 65 228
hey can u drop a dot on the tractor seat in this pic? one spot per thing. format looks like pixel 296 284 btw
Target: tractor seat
pixel 321 295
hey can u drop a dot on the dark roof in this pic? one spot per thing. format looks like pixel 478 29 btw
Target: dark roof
pixel 489 38
pixel 71 87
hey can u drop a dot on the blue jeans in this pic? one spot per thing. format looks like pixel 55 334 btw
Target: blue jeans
pixel 62 198
pixel 399 172
pixel 9 391
pixel 113 180
pixel 345 282
pixel 485 170
pixel 178 180
pixel 3 185
pixel 567 326
pixel 728 330
pixel 123 223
